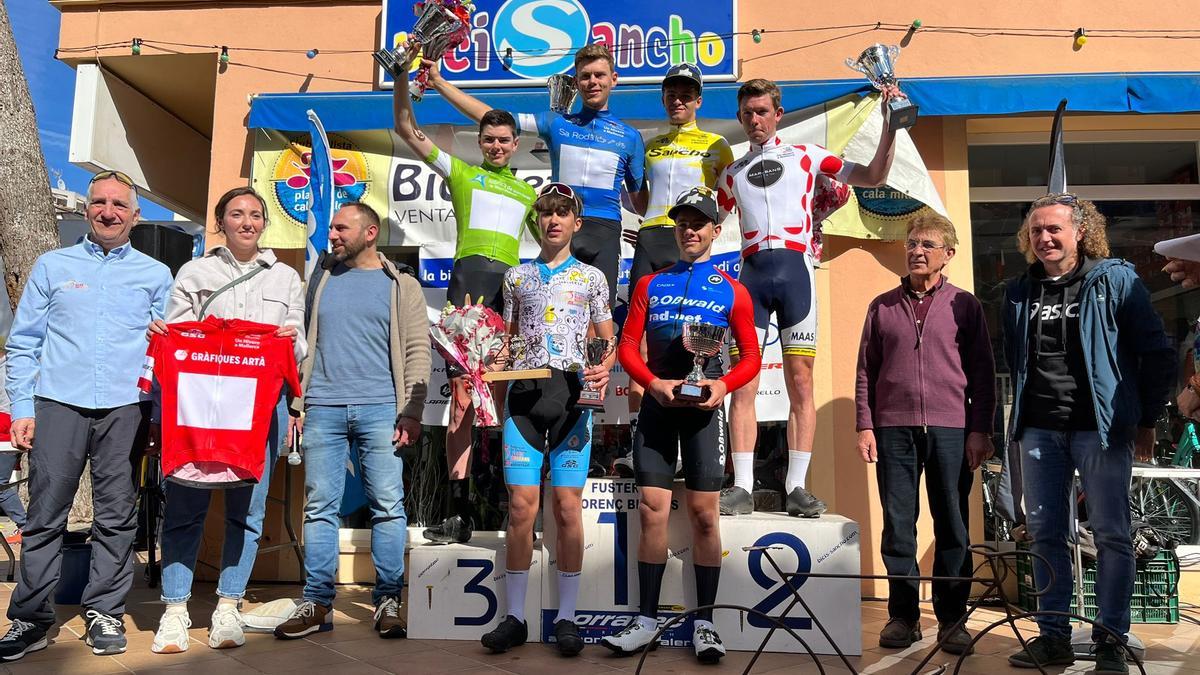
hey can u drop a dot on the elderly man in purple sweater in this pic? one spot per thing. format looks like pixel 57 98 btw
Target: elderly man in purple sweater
pixel 925 398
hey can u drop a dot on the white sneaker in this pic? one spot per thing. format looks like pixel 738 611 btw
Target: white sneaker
pixel 634 637
pixel 226 629
pixel 172 634
pixel 707 643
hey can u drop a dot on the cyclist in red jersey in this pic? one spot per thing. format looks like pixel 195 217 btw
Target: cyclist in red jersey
pixel 772 187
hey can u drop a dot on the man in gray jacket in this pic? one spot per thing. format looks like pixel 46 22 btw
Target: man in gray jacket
pixel 364 380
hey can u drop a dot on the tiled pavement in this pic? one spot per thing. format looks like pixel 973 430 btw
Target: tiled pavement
pixel 353 648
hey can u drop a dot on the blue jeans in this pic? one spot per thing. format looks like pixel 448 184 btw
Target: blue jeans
pixel 1048 462
pixel 329 431
pixel 183 526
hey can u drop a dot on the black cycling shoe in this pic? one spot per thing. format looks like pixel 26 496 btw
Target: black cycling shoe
pixel 735 501
pixel 510 633
pixel 802 503
pixel 453 530
pixel 566 635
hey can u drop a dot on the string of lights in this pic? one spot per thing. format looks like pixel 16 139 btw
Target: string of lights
pixel 1078 34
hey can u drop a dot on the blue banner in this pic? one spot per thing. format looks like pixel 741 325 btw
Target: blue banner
pixel 521 42
pixel 321 194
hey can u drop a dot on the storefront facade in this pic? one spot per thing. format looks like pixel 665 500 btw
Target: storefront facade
pixel 986 89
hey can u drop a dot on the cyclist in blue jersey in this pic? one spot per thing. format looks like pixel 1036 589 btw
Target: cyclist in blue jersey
pixel 694 290
pixel 592 151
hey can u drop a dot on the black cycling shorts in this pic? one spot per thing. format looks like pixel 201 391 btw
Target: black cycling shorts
pixel 780 281
pixel 598 243
pixel 540 419
pixel 656 250
pixel 481 278
pixel 663 432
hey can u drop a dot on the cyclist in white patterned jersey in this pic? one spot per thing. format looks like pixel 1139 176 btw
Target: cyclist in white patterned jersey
pixel 773 189
pixel 550 303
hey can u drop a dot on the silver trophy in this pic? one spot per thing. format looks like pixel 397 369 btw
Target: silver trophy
pixel 704 341
pixel 878 63
pixel 433 35
pixel 595 352
pixel 562 90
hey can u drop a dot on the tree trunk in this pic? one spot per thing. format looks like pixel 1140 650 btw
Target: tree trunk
pixel 27 224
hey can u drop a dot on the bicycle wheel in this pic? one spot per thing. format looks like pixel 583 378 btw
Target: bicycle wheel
pixel 1167 508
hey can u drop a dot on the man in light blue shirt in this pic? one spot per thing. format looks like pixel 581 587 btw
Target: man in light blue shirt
pixel 75 351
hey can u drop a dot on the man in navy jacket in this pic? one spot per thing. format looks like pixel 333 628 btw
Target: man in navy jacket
pixel 1091 368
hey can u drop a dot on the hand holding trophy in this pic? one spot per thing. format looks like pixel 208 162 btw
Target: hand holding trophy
pixel 878 63
pixel 596 351
pixel 473 339
pixel 703 341
pixel 440 25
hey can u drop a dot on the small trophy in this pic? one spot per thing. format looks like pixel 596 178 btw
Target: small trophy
pixel 878 63
pixel 440 25
pixel 508 357
pixel 595 352
pixel 704 340
pixel 562 90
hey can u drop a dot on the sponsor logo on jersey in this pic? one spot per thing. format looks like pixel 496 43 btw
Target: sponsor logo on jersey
pixel 676 152
pixel 193 334
pixel 229 359
pixel 765 173
pixel 715 279
pixel 446 390
pixel 1052 312
pixel 181 354
pixel 699 303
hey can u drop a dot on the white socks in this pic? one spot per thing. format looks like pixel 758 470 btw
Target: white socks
pixel 176 608
pixel 743 471
pixel 568 595
pixel 517 583
pixel 797 469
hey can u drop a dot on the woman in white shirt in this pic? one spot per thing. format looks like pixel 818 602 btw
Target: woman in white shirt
pixel 205 287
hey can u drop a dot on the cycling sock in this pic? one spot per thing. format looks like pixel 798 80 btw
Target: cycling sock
pixel 743 471
pixel 650 577
pixel 460 498
pixel 568 595
pixel 517 583
pixel 797 469
pixel 707 580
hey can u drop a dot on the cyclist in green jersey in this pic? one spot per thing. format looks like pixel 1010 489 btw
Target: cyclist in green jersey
pixel 491 205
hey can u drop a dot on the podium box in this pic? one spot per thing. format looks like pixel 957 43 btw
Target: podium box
pixel 457 591
pixel 608 594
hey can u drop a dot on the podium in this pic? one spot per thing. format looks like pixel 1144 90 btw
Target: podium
pixel 457 591
pixel 608 594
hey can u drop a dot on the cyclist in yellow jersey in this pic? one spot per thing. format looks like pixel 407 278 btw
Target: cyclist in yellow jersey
pixel 676 162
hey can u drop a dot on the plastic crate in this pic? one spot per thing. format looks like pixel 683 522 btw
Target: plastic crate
pixel 1155 596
